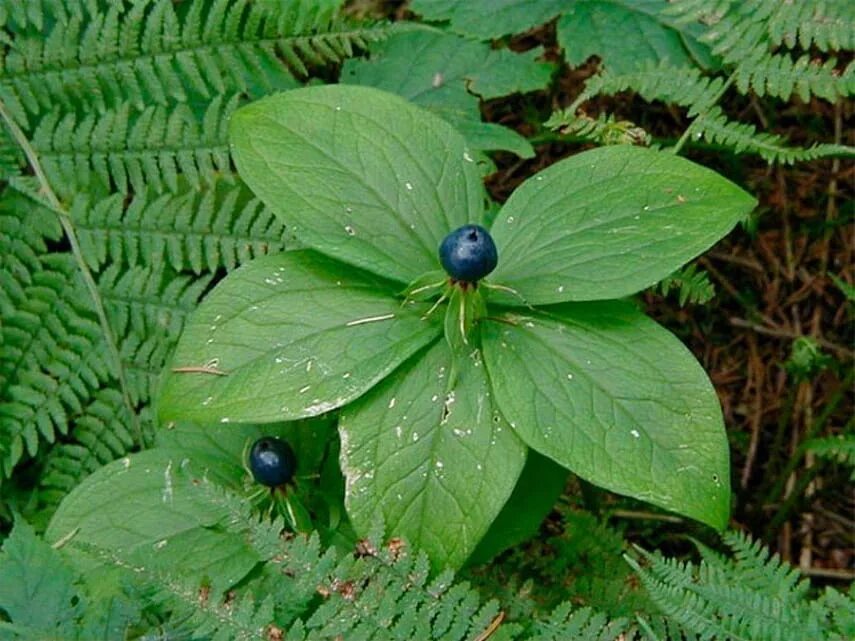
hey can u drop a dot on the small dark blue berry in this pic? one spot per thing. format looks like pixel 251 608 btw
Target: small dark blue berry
pixel 272 461
pixel 468 253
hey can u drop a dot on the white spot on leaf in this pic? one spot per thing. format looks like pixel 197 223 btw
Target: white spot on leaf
pixel 166 495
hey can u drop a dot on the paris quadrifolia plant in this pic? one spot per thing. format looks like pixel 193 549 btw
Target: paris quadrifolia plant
pixel 452 341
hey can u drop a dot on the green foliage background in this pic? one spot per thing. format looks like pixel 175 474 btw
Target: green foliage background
pixel 121 207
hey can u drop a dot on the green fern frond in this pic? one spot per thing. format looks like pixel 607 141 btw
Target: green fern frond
pixel 103 432
pixel 687 87
pixel 684 86
pixel 152 52
pixel 53 359
pixel 692 285
pixel 750 598
pixel 149 300
pixel 11 159
pixel 215 228
pixel 385 595
pixel 126 150
pixel 715 127
pixel 780 76
pixel 37 13
pixel 759 570
pixel 194 607
pixel 840 448
pixel 755 41
pixel 748 37
pixel 147 310
pixel 828 25
pixel 568 624
pixel 23 239
pixel 604 129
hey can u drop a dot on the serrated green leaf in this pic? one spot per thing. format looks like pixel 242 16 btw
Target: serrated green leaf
pixel 447 73
pixel 488 19
pixel 626 35
pixel 360 175
pixel 610 222
pixel 31 572
pixel 605 391
pixel 144 503
pixel 435 463
pixel 294 335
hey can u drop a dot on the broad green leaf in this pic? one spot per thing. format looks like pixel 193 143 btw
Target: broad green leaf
pixel 609 222
pixel 37 588
pixel 488 136
pixel 488 19
pixel 446 74
pixel 435 464
pixel 358 174
pixel 617 399
pixel 537 490
pixel 626 34
pixel 292 335
pixel 145 502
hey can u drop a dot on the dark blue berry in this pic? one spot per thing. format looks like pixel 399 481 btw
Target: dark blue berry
pixel 468 253
pixel 272 461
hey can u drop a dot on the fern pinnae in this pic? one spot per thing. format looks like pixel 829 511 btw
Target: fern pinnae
pixel 52 360
pixel 214 228
pixel 239 620
pixel 102 433
pixel 693 285
pixel 715 127
pixel 750 597
pixel 137 151
pixel 65 221
pixel 752 40
pixel 34 13
pixel 144 52
pixel 840 448
pixel 565 623
pixel 745 35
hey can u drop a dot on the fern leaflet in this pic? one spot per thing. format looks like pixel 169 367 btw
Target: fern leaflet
pixel 750 598
pixel 215 228
pixel 688 88
pixel 125 150
pixel 839 448
pixel 693 285
pixel 154 52
pixel 604 129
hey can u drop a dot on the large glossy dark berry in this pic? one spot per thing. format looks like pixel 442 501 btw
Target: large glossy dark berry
pixel 468 253
pixel 272 461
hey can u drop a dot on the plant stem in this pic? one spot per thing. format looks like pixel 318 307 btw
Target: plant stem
pixel 89 281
